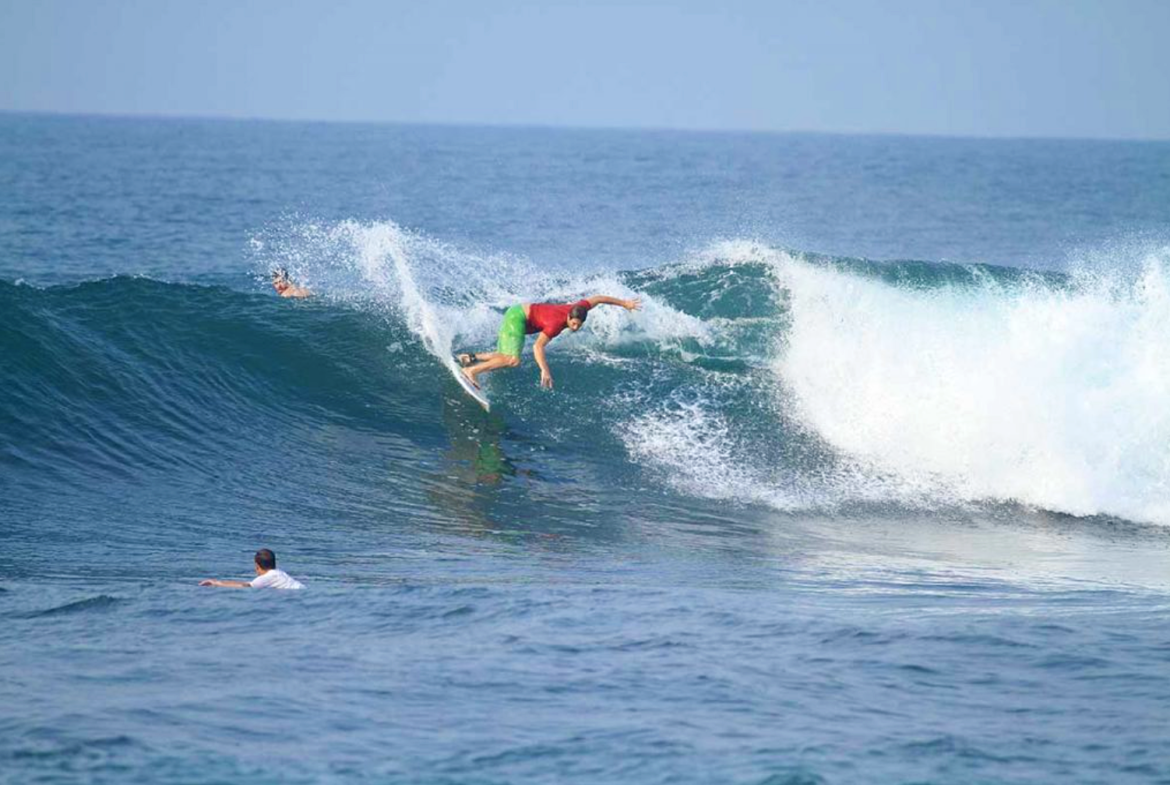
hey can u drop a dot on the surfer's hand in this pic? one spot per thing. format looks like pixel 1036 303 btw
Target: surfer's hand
pixel 632 305
pixel 546 380
pixel 208 582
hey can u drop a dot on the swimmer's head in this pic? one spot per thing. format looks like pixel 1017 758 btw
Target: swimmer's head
pixel 577 317
pixel 280 280
pixel 265 560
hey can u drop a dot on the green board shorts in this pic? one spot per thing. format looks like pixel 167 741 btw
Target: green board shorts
pixel 512 332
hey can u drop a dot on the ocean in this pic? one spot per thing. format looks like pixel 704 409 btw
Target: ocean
pixel 875 487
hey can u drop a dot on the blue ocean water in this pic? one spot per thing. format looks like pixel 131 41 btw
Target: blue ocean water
pixel 874 488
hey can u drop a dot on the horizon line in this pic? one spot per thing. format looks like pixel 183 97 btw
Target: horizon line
pixel 568 127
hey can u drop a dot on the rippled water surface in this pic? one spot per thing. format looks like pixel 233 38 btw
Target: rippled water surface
pixel 874 488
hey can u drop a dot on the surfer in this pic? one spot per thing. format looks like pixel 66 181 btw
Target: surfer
pixel 548 319
pixel 286 288
pixel 267 576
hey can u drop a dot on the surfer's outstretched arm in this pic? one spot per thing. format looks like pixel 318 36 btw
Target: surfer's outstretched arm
pixel 602 299
pixel 538 354
pixel 226 584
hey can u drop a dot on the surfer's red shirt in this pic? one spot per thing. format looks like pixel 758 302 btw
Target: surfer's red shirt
pixel 550 319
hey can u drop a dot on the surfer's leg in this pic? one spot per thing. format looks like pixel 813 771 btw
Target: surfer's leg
pixel 471 358
pixel 497 362
pixel 508 347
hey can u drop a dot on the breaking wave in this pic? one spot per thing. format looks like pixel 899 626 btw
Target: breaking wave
pixel 753 374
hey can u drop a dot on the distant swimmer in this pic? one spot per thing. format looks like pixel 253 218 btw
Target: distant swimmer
pixel 267 576
pixel 285 287
pixel 545 318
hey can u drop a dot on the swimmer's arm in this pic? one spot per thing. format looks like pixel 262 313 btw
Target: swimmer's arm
pixel 538 353
pixel 226 584
pixel 601 299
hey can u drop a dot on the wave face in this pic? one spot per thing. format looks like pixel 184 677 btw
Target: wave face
pixel 752 375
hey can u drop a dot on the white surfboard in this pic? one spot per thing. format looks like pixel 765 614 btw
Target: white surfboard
pixel 478 395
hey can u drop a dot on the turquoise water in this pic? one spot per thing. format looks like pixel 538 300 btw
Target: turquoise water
pixel 875 488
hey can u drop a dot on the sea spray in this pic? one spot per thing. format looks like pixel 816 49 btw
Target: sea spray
pixel 447 295
pixel 1057 397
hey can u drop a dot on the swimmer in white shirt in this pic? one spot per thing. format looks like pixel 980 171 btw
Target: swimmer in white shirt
pixel 267 576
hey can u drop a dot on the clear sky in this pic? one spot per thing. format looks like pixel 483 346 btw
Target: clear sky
pixel 1080 68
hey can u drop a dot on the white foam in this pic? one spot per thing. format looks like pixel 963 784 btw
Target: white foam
pixel 1054 398
pixel 693 449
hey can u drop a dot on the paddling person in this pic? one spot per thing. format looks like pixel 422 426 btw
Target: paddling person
pixel 267 576
pixel 285 287
pixel 549 320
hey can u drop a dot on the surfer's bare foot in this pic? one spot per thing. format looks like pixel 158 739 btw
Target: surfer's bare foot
pixel 466 372
pixel 466 359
